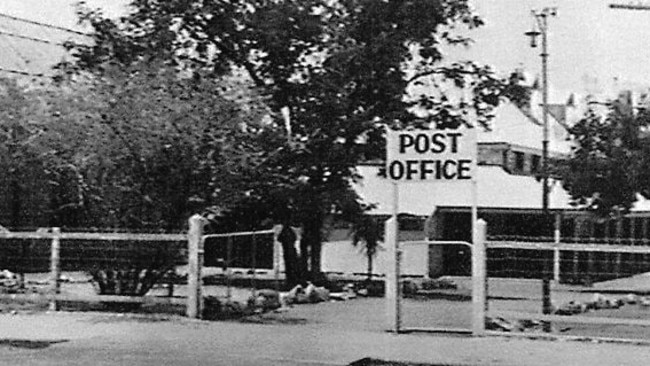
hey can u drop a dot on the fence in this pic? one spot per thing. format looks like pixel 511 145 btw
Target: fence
pixel 226 255
pixel 144 257
pixel 599 290
pixel 443 314
pixel 117 258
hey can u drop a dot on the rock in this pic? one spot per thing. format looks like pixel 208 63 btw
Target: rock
pixel 265 300
pixel 644 301
pixel 572 308
pixel 631 299
pixel 316 294
pixel 499 324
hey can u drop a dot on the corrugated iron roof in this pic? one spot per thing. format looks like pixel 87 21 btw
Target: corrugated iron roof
pixel 496 189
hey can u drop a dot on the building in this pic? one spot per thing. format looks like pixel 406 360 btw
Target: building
pixel 509 199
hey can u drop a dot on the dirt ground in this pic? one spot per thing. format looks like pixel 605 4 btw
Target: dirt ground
pixel 318 334
pixel 332 333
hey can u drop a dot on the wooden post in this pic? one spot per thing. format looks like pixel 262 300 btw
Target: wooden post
pixel 556 250
pixel 479 278
pixel 229 243
pixel 590 255
pixel 55 268
pixel 195 263
pixel 254 265
pixel 277 247
pixel 618 255
pixel 392 275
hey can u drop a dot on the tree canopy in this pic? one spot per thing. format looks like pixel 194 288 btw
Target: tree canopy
pixel 608 167
pixel 333 74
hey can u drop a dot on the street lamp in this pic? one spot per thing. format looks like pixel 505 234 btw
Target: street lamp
pixel 540 27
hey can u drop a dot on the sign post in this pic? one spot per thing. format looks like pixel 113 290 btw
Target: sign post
pixel 427 156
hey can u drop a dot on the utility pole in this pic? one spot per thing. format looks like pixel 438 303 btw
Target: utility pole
pixel 540 27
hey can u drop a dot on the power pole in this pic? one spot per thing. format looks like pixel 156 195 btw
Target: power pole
pixel 541 21
pixel 541 29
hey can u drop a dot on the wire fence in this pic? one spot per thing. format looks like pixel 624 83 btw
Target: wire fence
pixel 99 267
pixel 600 288
pixel 242 259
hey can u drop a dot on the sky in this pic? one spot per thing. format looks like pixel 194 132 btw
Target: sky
pixel 593 49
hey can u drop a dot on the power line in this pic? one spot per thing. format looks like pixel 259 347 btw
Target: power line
pixel 630 6
pixel 41 40
pixel 24 73
pixel 46 25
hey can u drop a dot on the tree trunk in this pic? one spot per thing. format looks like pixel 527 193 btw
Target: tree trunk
pixel 292 265
pixel 312 243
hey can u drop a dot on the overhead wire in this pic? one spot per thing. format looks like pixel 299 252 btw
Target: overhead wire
pixel 11 32
pixel 20 36
pixel 46 25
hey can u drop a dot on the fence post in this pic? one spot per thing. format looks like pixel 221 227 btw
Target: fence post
pixel 392 285
pixel 55 268
pixel 195 262
pixel 556 250
pixel 479 278
pixel 277 247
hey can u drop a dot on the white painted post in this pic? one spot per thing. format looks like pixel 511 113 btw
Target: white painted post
pixel 479 278
pixel 556 250
pixel 195 263
pixel 277 247
pixel 55 268
pixel 392 275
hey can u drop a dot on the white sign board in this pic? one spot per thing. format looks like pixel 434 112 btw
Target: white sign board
pixel 431 155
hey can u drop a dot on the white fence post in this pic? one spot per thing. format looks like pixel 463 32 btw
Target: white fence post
pixel 277 250
pixel 55 268
pixel 479 278
pixel 392 284
pixel 556 250
pixel 195 263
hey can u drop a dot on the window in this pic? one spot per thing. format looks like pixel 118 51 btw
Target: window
pixel 535 163
pixel 519 161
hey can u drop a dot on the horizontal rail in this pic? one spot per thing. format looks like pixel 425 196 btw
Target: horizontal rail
pixel 149 300
pixel 239 233
pixel 577 319
pixel 567 247
pixel 93 236
pixel 434 242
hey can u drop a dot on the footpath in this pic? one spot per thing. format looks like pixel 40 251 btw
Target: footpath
pixel 114 339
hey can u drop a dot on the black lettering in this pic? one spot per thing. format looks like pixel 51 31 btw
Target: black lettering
pixel 425 169
pixel 405 141
pixel 411 168
pixel 439 146
pixel 438 169
pixel 445 169
pixel 421 143
pixel 454 141
pixel 396 170
pixel 464 166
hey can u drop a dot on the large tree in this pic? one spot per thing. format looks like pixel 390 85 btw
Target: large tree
pixel 608 167
pixel 339 70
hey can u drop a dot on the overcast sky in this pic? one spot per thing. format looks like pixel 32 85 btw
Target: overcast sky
pixel 591 45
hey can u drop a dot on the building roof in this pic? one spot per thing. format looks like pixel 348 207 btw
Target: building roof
pixel 514 126
pixel 496 189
